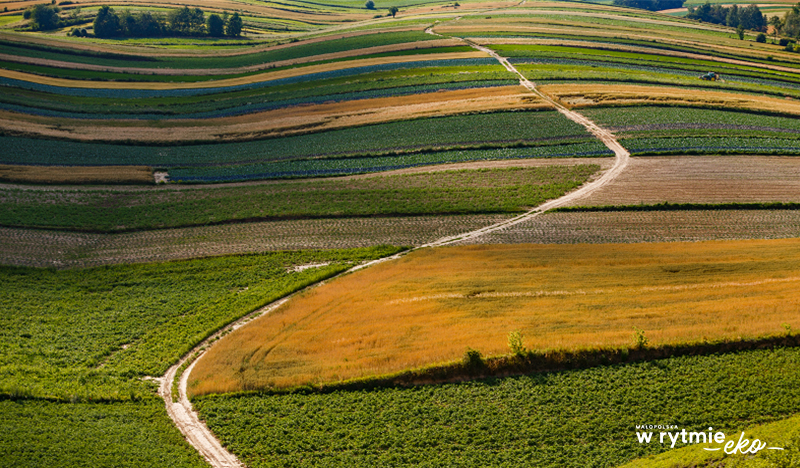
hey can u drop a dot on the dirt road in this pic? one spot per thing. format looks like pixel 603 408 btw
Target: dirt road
pixel 182 413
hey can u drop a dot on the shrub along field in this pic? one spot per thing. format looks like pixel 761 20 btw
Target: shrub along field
pixel 557 296
pixel 438 193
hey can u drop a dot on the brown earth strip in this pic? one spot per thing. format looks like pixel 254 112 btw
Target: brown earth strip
pixel 278 122
pixel 76 174
pixel 24 247
pixel 593 95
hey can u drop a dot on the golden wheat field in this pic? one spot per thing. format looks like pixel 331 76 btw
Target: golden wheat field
pixel 431 305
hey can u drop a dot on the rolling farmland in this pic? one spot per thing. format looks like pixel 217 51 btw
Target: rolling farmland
pixel 131 167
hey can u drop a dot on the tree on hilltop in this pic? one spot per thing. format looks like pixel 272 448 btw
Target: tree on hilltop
pixel 43 17
pixel 215 26
pixel 187 21
pixel 106 23
pixel 234 26
pixel 370 5
pixel 394 10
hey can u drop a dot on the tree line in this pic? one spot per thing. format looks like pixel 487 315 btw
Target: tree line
pixel 749 17
pixel 180 22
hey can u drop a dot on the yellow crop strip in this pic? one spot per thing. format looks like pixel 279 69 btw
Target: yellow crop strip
pixel 430 306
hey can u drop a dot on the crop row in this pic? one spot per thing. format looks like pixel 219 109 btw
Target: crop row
pixel 487 130
pixel 248 107
pixel 693 145
pixel 619 117
pixel 564 419
pixel 203 103
pixel 152 93
pixel 60 249
pixel 136 76
pixel 652 226
pixel 569 69
pixel 123 435
pixel 215 61
pixel 90 334
pixel 344 166
pixel 462 192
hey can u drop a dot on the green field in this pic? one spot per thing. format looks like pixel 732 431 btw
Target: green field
pixel 654 130
pixel 91 334
pixel 568 419
pixel 438 193
pixel 41 434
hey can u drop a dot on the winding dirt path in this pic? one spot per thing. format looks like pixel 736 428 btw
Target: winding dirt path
pixel 182 412
pixel 622 158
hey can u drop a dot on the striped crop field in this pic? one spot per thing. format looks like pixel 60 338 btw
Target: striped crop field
pixel 169 170
pixel 352 71
pixel 481 191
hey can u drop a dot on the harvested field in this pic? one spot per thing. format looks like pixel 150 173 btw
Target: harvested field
pixel 22 247
pixel 651 226
pixel 431 305
pixel 592 95
pixel 76 174
pixel 280 122
pixel 702 179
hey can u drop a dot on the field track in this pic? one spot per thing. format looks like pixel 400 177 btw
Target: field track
pixel 197 432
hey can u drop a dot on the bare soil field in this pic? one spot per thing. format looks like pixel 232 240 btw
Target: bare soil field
pixel 76 174
pixel 650 226
pixel 592 95
pixel 59 249
pixel 431 305
pixel 278 122
pixel 701 179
